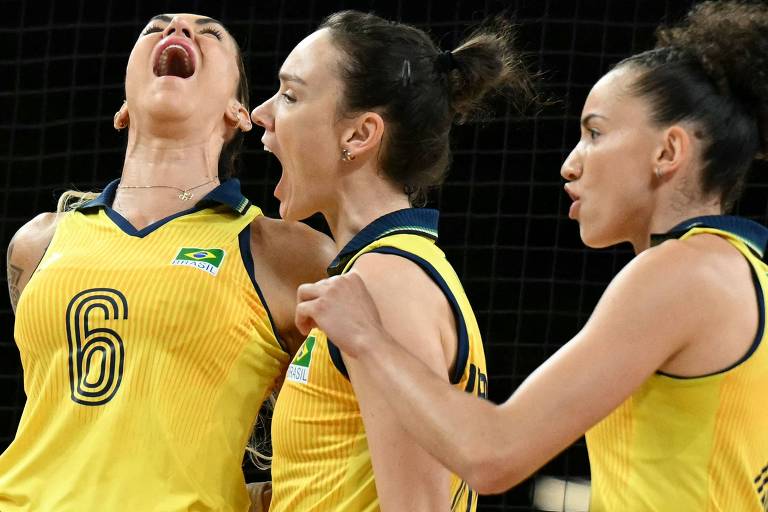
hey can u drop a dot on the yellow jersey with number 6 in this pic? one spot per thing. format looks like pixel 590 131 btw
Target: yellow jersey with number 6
pixel 147 354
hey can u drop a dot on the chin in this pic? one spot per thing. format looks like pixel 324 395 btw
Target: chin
pixel 594 240
pixel 169 104
pixel 287 213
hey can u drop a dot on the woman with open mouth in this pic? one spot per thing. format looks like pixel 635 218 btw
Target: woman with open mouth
pixel 361 127
pixel 154 319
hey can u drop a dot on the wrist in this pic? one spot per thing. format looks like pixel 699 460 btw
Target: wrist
pixel 371 342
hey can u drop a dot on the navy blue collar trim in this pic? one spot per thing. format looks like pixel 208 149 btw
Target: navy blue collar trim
pixel 417 221
pixel 228 194
pixel 754 235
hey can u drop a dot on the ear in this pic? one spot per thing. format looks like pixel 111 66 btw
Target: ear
pixel 674 152
pixel 363 135
pixel 238 117
pixel 121 119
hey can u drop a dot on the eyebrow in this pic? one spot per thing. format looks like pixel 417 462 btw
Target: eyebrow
pixel 205 21
pixel 586 119
pixel 289 77
pixel 198 21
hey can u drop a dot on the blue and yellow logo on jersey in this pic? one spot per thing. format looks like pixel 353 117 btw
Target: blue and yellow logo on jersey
pixel 298 371
pixel 207 260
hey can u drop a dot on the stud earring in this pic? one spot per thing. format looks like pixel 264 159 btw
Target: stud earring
pixel 346 156
pixel 658 172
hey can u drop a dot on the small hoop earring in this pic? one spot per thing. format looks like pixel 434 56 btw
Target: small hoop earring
pixel 658 172
pixel 346 156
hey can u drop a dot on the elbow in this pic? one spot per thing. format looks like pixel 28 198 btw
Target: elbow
pixel 488 480
pixel 493 473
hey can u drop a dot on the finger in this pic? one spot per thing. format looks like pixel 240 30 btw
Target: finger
pixel 307 291
pixel 304 318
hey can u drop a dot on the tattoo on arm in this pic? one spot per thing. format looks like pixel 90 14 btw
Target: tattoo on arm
pixel 14 276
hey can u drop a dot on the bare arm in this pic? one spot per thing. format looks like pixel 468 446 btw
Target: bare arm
pixel 285 255
pixel 25 251
pixel 261 496
pixel 14 277
pixel 651 312
pixel 417 314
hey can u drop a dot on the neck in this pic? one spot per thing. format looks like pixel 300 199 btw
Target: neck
pixel 666 220
pixel 361 198
pixel 157 171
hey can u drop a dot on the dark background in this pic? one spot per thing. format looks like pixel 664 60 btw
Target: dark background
pixel 504 218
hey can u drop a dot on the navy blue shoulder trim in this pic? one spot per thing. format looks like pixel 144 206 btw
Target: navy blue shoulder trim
pixel 754 235
pixel 462 354
pixel 228 194
pixel 417 221
pixel 245 253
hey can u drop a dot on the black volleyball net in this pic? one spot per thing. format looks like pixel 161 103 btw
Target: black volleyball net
pixel 504 222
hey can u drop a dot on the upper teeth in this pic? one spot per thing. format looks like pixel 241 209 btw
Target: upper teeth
pixel 162 63
pixel 267 149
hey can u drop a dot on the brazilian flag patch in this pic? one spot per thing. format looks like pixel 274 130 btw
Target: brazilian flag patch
pixel 298 371
pixel 207 260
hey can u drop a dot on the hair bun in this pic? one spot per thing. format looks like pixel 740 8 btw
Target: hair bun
pixel 486 62
pixel 730 41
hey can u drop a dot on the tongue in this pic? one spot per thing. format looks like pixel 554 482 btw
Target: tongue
pixel 174 61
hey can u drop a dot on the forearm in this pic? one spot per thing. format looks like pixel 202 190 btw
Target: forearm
pixel 462 431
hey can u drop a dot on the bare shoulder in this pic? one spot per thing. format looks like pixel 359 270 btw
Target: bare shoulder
pixel 292 246
pixel 396 276
pixel 286 255
pixel 677 293
pixel 717 298
pixel 25 251
pixel 30 241
pixel 412 306
pixel 405 291
pixel 698 268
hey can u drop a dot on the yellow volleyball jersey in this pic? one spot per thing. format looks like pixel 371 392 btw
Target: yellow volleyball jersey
pixel 147 354
pixel 693 444
pixel 321 459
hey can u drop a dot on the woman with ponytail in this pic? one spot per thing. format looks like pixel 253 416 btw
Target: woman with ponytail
pixel 361 127
pixel 669 375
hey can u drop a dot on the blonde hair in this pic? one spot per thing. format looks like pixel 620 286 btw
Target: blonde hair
pixel 72 199
pixel 259 448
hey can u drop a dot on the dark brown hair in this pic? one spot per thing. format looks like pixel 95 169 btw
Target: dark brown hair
pixel 712 70
pixel 398 71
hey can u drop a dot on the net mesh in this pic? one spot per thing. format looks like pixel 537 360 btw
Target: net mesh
pixel 504 219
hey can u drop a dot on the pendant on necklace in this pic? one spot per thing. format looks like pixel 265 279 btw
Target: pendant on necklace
pixel 185 195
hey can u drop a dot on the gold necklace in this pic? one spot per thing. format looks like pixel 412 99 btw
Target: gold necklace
pixel 185 193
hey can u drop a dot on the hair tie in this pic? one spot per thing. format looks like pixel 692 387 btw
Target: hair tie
pixel 444 62
pixel 405 73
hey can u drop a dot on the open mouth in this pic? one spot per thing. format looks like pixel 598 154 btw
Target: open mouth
pixel 174 60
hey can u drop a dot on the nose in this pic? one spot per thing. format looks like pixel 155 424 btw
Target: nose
pixel 178 26
pixel 262 115
pixel 572 167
